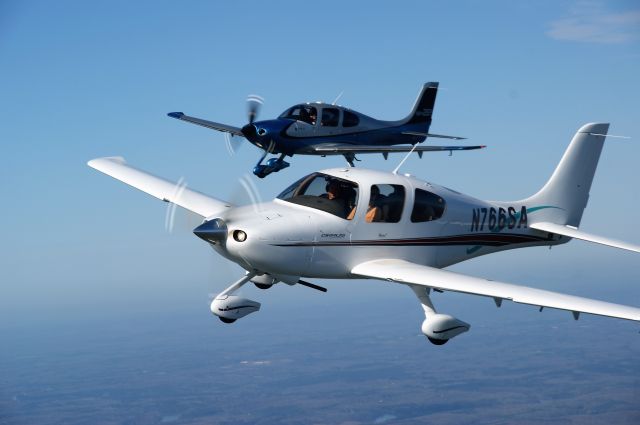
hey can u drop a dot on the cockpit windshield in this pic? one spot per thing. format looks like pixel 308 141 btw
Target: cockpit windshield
pixel 305 113
pixel 325 193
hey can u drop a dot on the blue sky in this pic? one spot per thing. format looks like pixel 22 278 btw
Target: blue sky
pixel 82 80
pixel 105 313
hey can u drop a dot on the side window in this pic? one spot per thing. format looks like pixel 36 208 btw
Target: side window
pixel 385 204
pixel 325 193
pixel 304 113
pixel 350 119
pixel 427 207
pixel 330 117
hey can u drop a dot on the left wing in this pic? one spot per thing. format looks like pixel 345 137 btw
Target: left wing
pixel 158 187
pixel 348 148
pixel 209 124
pixel 415 274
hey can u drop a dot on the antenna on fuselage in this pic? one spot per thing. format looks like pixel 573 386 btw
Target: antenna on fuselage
pixel 405 158
pixel 337 98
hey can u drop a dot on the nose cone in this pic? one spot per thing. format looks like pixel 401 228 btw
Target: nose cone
pixel 213 231
pixel 249 131
pixel 261 133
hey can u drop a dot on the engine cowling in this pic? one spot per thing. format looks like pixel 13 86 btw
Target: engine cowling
pixel 230 308
pixel 440 328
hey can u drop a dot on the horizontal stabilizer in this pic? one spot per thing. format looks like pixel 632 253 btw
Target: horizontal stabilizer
pixel 160 188
pixel 572 232
pixel 439 136
pixel 204 123
pixel 346 148
pixel 442 280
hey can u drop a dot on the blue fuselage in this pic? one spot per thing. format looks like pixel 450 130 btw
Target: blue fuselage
pixel 292 137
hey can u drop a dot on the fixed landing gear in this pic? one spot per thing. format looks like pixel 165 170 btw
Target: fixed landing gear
pixel 438 328
pixel 229 307
pixel 273 165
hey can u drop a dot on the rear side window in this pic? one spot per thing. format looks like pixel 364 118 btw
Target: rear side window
pixel 385 204
pixel 330 117
pixel 427 207
pixel 350 119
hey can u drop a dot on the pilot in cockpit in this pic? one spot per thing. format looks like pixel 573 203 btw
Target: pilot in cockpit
pixel 308 115
pixel 333 190
pixel 336 194
pixel 324 192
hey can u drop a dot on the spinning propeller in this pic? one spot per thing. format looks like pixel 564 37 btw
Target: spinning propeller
pixel 254 103
pixel 244 192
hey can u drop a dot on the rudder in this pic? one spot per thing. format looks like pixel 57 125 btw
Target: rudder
pixel 423 108
pixel 567 191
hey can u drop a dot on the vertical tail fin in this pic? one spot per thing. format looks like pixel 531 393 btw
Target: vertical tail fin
pixel 423 108
pixel 567 191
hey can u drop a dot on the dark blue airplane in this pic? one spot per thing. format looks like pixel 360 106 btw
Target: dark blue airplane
pixel 329 129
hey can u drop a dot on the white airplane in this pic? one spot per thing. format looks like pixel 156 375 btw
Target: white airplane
pixel 353 223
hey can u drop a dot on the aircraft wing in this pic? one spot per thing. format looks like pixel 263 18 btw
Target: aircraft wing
pixel 209 124
pixel 160 188
pixel 572 232
pixel 340 149
pixel 439 136
pixel 414 274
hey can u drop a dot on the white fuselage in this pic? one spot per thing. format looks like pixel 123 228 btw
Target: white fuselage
pixel 284 238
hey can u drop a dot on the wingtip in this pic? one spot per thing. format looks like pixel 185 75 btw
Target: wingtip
pixel 97 162
pixel 176 115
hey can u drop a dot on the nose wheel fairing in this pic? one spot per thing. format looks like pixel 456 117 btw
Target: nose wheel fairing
pixel 229 307
pixel 273 165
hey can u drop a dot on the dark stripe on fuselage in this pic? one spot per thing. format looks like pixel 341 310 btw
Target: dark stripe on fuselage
pixel 485 239
pixel 395 130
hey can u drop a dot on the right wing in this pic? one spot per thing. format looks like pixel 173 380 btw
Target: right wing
pixel 209 124
pixel 342 148
pixel 415 274
pixel 160 188
pixel 572 232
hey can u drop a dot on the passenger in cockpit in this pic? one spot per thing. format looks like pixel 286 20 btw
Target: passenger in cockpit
pixel 374 213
